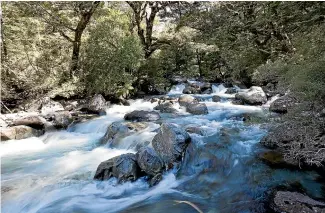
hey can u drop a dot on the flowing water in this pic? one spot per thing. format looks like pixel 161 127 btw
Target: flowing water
pixel 220 173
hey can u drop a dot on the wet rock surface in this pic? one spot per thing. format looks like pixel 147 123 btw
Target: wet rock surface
pixel 197 108
pixel 119 130
pixel 231 90
pixel 216 98
pixel 123 167
pixel 142 115
pixel 166 107
pixel 192 89
pixel 149 162
pixel 170 143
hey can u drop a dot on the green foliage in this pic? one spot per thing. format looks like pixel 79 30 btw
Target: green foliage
pixel 122 52
pixel 111 58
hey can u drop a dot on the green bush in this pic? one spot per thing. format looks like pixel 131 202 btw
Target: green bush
pixel 112 56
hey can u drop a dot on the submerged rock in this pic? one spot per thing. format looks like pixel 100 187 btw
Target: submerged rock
pixel 170 143
pixel 141 115
pixel 195 130
pixel 197 108
pixel 123 167
pixel 216 98
pixel 294 202
pixel 19 132
pixel 254 96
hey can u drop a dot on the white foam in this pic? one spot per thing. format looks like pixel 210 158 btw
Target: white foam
pixel 177 89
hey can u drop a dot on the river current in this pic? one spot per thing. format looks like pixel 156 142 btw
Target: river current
pixel 220 173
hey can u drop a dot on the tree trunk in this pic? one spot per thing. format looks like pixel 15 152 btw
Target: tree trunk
pixel 4 52
pixel 82 24
pixel 199 62
pixel 75 57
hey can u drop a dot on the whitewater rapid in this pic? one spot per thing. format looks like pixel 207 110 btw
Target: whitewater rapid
pixel 54 173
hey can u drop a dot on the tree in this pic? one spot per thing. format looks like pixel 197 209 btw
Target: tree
pixel 66 18
pixel 146 12
pixel 112 56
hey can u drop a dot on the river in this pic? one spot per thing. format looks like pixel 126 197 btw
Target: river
pixel 222 172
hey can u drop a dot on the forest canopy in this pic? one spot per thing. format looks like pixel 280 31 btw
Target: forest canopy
pixel 122 48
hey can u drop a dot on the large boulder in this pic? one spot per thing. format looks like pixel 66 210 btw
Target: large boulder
pixel 185 100
pixel 294 202
pixel 96 104
pixel 149 161
pixel 119 130
pixel 254 96
pixel 32 121
pixel 170 143
pixel 197 109
pixel 141 115
pixel 282 104
pixel 62 119
pixel 19 132
pixel 123 167
pixel 165 107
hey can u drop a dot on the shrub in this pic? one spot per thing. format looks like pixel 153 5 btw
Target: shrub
pixel 111 58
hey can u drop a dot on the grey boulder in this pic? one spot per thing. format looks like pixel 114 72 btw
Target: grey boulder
pixel 123 167
pixel 253 96
pixel 19 132
pixel 170 143
pixel 149 161
pixel 197 109
pixel 185 100
pixel 141 115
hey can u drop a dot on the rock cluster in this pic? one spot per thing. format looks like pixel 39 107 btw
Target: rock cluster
pixel 168 147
